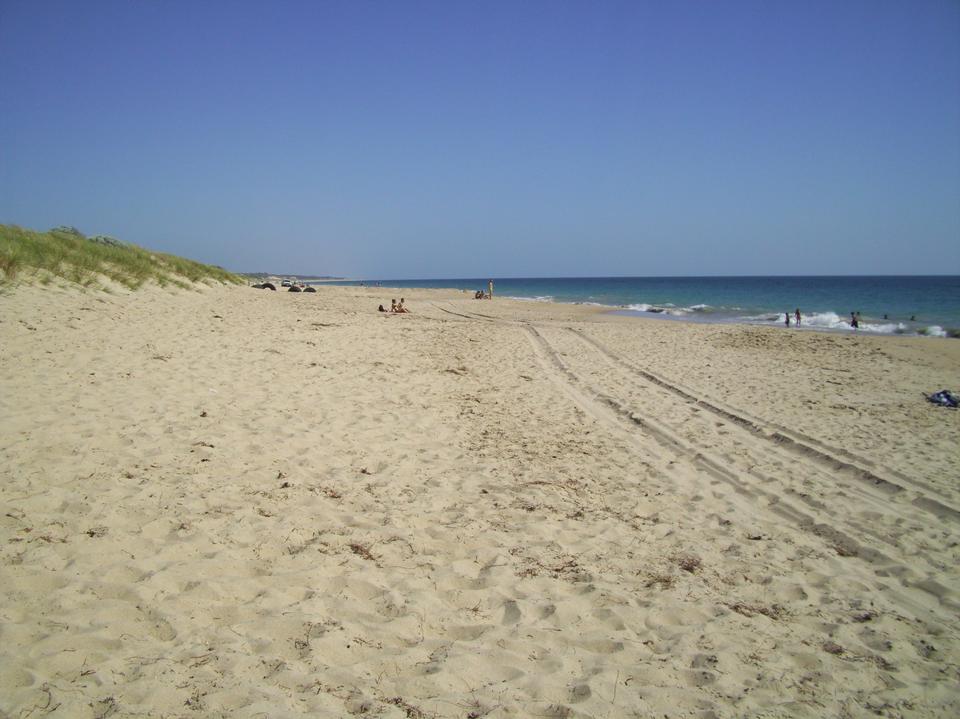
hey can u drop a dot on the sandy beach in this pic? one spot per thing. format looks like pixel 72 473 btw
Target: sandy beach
pixel 244 503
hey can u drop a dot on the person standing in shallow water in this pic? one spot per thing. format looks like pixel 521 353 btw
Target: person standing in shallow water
pixel 786 318
pixel 796 316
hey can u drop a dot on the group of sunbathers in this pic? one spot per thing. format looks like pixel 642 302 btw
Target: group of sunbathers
pixel 395 307
pixel 481 295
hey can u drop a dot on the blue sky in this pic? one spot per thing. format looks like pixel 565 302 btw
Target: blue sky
pixel 451 139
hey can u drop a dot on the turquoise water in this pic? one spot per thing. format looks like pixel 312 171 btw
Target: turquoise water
pixel 887 305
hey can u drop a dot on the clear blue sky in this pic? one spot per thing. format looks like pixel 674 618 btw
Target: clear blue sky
pixel 452 139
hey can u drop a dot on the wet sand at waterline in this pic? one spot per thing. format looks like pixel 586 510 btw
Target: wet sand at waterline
pixel 235 502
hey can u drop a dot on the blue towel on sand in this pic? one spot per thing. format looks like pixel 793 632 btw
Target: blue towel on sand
pixel 945 398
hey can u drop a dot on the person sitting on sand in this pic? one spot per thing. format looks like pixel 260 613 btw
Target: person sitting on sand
pixel 478 295
pixel 400 307
pixel 393 305
pixel 380 309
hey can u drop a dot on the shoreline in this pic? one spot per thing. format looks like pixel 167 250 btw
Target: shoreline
pixel 243 501
pixel 889 329
pixel 825 320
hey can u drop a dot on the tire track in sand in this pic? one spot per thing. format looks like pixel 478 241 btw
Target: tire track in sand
pixel 848 537
pixel 839 460
pixel 882 494
pixel 834 458
pixel 925 597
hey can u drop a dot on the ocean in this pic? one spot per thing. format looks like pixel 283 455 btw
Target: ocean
pixel 921 305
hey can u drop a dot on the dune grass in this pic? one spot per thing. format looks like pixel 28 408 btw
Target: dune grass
pixel 67 253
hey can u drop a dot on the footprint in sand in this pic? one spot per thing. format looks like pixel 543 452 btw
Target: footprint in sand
pixel 157 625
pixel 579 692
pixel 547 610
pixel 467 632
pixel 15 677
pixel 511 612
pixel 609 618
pixel 551 711
pixel 699 677
pixel 667 623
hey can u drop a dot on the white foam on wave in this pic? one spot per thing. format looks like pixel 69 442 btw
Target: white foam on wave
pixel 814 320
pixel 833 321
pixel 666 309
pixel 889 328
pixel 765 317
pixel 829 320
pixel 542 298
pixel 885 329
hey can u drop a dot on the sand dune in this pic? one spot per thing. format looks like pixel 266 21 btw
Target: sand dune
pixel 236 502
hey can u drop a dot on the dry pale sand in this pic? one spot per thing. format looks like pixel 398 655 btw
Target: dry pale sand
pixel 236 502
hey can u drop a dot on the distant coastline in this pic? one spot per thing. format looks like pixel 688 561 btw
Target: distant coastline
pixel 303 278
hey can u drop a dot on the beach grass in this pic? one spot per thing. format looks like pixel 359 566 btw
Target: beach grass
pixel 65 252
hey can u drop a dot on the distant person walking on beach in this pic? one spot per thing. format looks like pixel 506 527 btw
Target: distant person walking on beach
pixel 797 316
pixel 489 289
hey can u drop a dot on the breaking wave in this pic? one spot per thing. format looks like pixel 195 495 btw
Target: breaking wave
pixel 668 309
pixel 544 298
